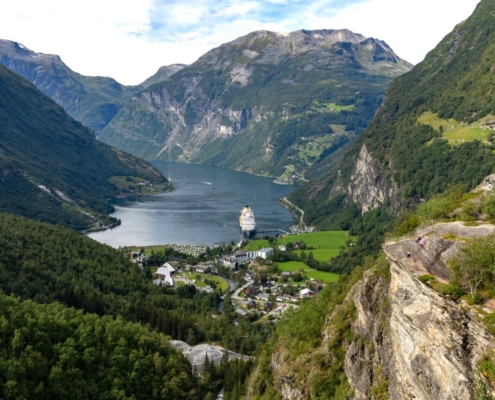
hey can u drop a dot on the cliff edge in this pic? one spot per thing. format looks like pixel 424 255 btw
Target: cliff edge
pixel 429 345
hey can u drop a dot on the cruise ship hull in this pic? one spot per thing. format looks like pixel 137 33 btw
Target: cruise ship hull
pixel 247 221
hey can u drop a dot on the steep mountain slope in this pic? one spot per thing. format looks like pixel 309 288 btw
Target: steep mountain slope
pixel 51 167
pixel 417 322
pixel 387 336
pixel 162 74
pixel 433 130
pixel 93 101
pixel 268 103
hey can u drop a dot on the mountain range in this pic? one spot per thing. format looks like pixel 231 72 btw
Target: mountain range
pixel 434 130
pixel 277 104
pixel 268 103
pixel 93 101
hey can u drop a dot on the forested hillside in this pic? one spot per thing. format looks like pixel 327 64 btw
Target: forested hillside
pixel 433 130
pixel 48 268
pixel 53 352
pixel 51 167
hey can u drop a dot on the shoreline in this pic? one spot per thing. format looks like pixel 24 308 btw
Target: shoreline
pixel 119 222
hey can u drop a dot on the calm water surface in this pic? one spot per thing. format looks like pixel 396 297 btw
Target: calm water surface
pixel 203 209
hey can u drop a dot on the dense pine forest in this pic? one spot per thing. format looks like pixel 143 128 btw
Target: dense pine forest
pixel 54 273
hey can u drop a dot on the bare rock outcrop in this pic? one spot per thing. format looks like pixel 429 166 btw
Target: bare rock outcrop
pixel 368 188
pixel 423 345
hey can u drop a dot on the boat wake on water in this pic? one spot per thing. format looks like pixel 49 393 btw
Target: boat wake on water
pixel 208 183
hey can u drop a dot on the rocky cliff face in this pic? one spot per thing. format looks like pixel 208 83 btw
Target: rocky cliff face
pixel 403 339
pixel 367 187
pixel 261 101
pixel 428 346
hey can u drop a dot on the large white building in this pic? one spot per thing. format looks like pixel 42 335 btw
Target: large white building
pixel 164 273
pixel 240 258
pixel 264 252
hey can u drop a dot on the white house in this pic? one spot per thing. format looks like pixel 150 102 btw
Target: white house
pixel 306 293
pixel 164 273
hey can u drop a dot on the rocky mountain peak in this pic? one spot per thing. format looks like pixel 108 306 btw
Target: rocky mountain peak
pixel 10 49
pixel 267 47
pixel 163 74
pixel 94 101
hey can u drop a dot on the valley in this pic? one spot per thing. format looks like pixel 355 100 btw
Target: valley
pixel 366 273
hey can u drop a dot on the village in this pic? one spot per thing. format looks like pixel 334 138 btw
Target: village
pixel 257 286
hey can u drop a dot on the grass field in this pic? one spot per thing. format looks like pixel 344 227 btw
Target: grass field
pixel 325 246
pixel 224 285
pixel 329 107
pixel 322 255
pixel 326 240
pixel 292 266
pixel 455 132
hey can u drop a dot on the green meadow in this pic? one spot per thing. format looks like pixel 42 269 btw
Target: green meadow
pixel 322 255
pixel 456 132
pixel 326 240
pixel 325 245
pixel 292 266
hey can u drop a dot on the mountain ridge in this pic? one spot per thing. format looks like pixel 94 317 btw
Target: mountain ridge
pixel 93 101
pixel 162 74
pixel 434 122
pixel 247 91
pixel 51 166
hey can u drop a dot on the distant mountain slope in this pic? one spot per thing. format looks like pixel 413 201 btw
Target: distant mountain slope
pixel 162 74
pixel 51 167
pixel 93 101
pixel 434 129
pixel 268 103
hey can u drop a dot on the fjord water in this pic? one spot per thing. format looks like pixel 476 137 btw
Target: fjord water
pixel 203 209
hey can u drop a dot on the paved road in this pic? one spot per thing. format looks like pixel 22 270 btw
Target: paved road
pixel 235 296
pixel 301 222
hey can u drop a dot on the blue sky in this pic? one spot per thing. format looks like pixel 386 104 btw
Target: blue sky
pixel 129 39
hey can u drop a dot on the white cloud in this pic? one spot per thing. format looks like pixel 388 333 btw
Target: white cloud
pixel 185 14
pixel 129 40
pixel 411 28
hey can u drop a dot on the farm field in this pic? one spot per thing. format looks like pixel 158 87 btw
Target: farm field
pixel 326 240
pixel 292 266
pixel 322 255
pixel 456 132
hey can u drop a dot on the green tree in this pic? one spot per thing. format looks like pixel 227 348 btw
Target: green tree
pixel 473 267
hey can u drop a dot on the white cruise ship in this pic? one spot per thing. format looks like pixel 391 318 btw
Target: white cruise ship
pixel 246 220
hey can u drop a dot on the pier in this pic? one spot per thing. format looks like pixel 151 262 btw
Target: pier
pixel 273 230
